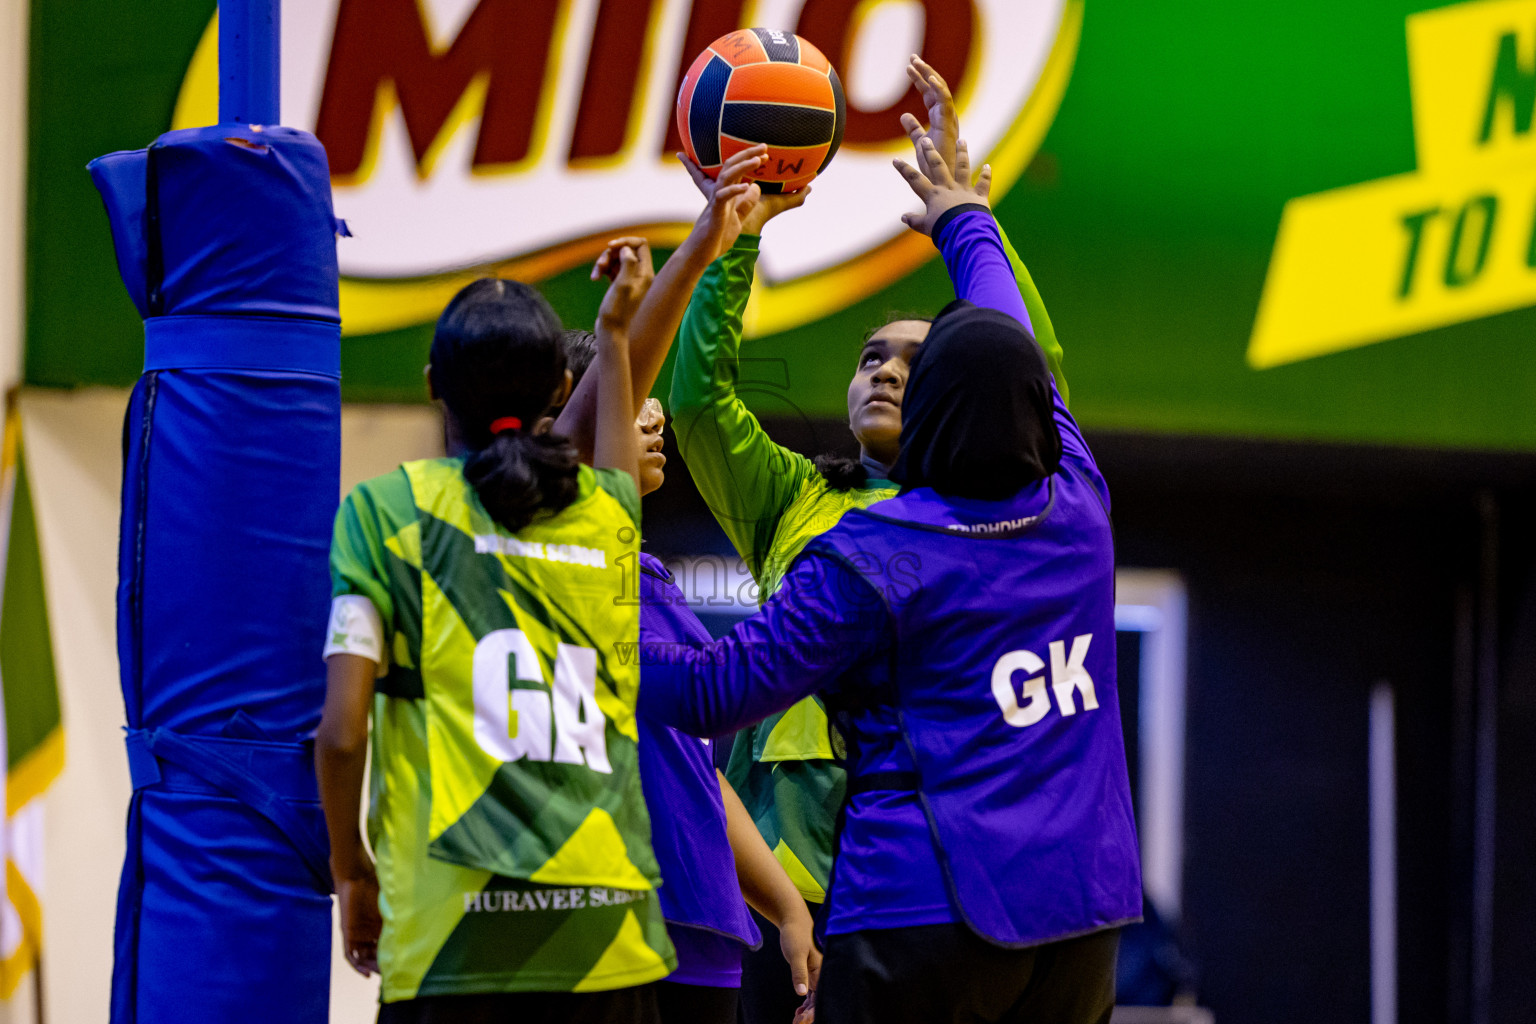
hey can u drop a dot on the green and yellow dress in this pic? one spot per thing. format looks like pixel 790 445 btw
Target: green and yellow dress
pixel 506 816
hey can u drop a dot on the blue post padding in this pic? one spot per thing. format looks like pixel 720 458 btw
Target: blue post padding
pixel 240 227
pixel 143 768
pixel 249 61
pixel 225 240
pixel 242 343
pixel 268 778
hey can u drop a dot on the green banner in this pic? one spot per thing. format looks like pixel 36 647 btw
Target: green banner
pixel 1288 220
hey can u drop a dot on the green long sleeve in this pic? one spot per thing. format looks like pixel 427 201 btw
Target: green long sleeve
pixel 1045 332
pixel 746 479
pixel 749 481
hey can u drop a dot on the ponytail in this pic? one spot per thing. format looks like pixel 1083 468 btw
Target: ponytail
pixel 499 364
pixel 841 472
pixel 520 475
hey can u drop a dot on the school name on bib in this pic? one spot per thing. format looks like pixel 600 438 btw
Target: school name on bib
pixel 512 901
pixel 573 554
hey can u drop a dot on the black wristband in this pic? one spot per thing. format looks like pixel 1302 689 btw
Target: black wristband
pixel 950 214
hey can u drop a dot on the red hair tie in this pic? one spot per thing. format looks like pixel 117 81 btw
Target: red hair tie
pixel 506 423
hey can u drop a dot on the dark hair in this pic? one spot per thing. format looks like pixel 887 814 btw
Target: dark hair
pixel 580 350
pixel 498 352
pixel 842 472
pixel 893 316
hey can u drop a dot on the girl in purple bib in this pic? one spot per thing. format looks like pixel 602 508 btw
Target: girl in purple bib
pixel 963 633
pixel 713 860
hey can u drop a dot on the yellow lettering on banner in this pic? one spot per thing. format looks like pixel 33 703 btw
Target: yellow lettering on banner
pixel 1454 240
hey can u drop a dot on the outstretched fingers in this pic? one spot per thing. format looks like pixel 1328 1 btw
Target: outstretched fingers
pixel 984 182
pixel 932 80
pixel 913 127
pixel 962 163
pixel 701 181
pixel 933 165
pixel 920 83
pixel 745 162
pixel 919 184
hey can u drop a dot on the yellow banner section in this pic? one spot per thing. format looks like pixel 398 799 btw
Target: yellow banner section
pixel 1472 75
pixel 1394 257
pixel 1451 242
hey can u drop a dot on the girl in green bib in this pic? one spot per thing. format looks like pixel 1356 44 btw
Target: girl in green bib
pixel 474 617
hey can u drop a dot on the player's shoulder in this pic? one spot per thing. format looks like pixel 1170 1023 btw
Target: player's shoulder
pixel 816 508
pixel 819 506
pixel 390 498
pixel 382 491
pixel 613 484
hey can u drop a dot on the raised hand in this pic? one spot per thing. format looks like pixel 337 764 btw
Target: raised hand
pixel 943 119
pixel 608 261
pixel 766 207
pixel 627 262
pixel 730 201
pixel 938 187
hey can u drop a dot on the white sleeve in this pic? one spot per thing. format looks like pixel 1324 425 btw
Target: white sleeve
pixel 355 628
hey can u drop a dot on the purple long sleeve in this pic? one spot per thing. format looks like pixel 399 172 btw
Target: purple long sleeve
pixel 978 263
pixel 979 266
pixel 824 620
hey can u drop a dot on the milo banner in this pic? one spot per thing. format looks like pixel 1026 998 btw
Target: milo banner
pixel 1302 220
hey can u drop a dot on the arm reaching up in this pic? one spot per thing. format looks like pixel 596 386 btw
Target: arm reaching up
pixel 954 214
pixel 613 446
pixel 729 202
pixel 743 475
pixel 944 129
pixel 959 219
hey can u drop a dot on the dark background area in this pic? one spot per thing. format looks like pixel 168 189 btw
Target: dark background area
pixel 1313 573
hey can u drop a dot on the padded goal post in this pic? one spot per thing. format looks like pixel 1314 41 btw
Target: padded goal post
pixel 225 240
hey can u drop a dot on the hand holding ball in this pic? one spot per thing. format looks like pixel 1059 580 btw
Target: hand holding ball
pixel 760 85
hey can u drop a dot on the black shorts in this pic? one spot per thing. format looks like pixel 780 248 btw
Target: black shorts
pixel 636 1005
pixel 945 974
pixel 767 987
pixel 696 1004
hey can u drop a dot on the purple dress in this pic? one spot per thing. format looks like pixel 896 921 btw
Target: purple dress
pixel 969 649
pixel 701 900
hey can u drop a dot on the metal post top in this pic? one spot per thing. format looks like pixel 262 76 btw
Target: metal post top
pixel 250 37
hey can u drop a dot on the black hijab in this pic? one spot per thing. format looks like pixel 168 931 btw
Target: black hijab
pixel 977 418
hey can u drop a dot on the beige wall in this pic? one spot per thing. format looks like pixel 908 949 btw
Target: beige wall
pixel 13 127
pixel 73 449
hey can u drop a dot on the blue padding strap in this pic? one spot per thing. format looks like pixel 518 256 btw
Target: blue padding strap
pixel 143 768
pixel 208 342
pixel 262 775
